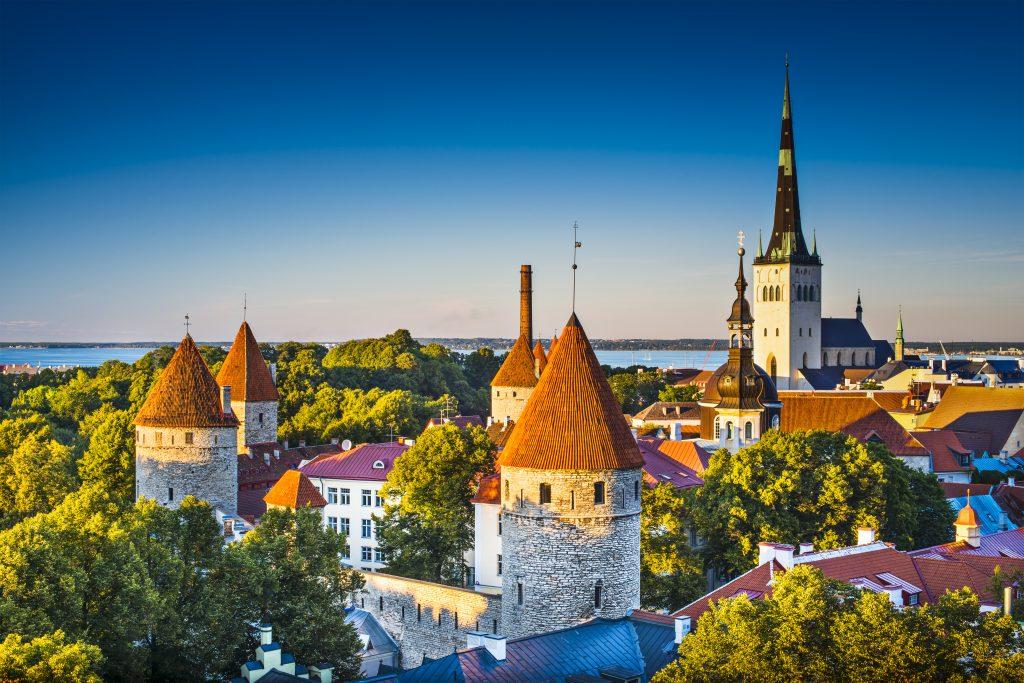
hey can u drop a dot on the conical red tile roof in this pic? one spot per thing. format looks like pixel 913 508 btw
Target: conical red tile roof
pixel 572 420
pixel 539 357
pixel 294 490
pixel 186 395
pixel 246 371
pixel 517 370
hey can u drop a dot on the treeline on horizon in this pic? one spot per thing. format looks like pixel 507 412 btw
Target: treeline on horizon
pixel 504 343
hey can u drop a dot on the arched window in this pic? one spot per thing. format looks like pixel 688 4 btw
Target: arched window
pixel 771 294
pixel 810 292
pixel 778 293
pixel 776 332
pixel 766 331
pixel 772 367
pixel 764 294
pixel 598 493
pixel 545 493
pixel 799 293
pixel 748 431
pixel 728 430
pixel 718 427
pixel 854 361
pixel 805 359
pixel 598 597
pixel 824 358
pixel 732 341
pixel 839 357
pixel 775 422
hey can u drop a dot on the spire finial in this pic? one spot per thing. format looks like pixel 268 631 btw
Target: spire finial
pixel 760 244
pixel 814 242
pixel 245 305
pixel 787 60
pixel 576 244
pixel 186 324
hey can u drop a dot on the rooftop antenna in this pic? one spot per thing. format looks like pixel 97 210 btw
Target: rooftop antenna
pixel 186 324
pixel 576 244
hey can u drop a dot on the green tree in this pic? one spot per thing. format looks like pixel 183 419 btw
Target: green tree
pixel 812 486
pixel 49 658
pixel 674 394
pixel 303 587
pixel 109 461
pixel 636 390
pixel 36 477
pixel 427 523
pixel 671 573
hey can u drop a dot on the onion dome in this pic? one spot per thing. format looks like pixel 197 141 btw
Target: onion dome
pixel 539 357
pixel 186 395
pixel 518 368
pixel 967 516
pixel 572 420
pixel 246 371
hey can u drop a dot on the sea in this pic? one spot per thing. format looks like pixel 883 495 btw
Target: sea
pixel 55 356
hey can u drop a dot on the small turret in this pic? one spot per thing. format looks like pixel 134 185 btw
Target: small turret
pixel 898 346
pixel 253 394
pixel 860 309
pixel 968 529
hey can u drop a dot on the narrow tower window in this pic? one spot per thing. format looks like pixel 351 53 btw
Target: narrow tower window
pixel 636 490
pixel 598 493
pixel 598 597
pixel 748 431
pixel 545 493
pixel 188 438
pixel 519 593
pixel 170 493
pixel 718 427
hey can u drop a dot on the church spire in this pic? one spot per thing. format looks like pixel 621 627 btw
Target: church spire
pixel 860 309
pixel 787 240
pixel 899 335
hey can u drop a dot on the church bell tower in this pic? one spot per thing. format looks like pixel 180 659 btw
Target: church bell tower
pixel 787 278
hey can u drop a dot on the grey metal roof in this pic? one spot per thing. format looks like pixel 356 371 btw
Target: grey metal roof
pixel 366 624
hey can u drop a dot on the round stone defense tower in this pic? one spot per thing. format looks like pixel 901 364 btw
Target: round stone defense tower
pixel 253 394
pixel 570 500
pixel 186 436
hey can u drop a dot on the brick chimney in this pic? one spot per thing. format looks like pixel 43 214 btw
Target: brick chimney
pixel 526 302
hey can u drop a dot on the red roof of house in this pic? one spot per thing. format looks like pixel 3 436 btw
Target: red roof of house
pixel 686 452
pixel 185 395
pixel 294 490
pixel 572 420
pixel 1007 544
pixel 367 461
pixel 245 370
pixel 955 490
pixel 660 468
pixel 1011 499
pixel 500 431
pixel 946 449
pixel 489 490
pixel 854 414
pixel 266 462
pixel 460 421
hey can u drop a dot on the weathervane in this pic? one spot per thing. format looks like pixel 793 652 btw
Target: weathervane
pixel 576 244
pixel 186 324
pixel 740 236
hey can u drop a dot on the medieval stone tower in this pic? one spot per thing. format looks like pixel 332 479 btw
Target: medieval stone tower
pixel 517 377
pixel 253 394
pixel 787 279
pixel 185 438
pixel 570 499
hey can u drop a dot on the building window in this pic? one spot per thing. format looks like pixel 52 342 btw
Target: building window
pixel 367 554
pixel 766 331
pixel 545 494
pixel 499 564
pixel 260 417
pixel 188 438
pixel 380 603
pixel 776 332
pixel 367 497
pixel 913 599
pixel 810 331
pixel 778 293
pixel 494 626
pixel 378 555
pixel 170 493
pixel 332 523
pixel 346 496
pixel 377 500
pixel 636 490
pixel 499 524
pixel 598 587
pixel 521 499
pixel 764 294
pixel 346 552
pixel 805 356
pixel 159 436
pixel 748 431
pixel 598 493
pixel 718 428
pixel 506 490
pixel 172 439
pixel 728 431
pixel 419 612
pixel 775 422
pixel 519 593
pixel 344 525
pixel 332 494
pixel 367 528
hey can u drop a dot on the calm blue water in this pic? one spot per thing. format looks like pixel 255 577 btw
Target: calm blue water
pixel 91 357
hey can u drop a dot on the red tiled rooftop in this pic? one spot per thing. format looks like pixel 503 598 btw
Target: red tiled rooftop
pixel 245 370
pixel 294 490
pixel 945 448
pixel 853 413
pixel 358 463
pixel 489 490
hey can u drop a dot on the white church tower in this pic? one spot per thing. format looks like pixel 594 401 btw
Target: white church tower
pixel 787 280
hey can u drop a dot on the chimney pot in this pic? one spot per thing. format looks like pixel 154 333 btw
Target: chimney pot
pixel 682 628
pixel 526 303
pixel 865 535
pixel 495 645
pixel 806 547
pixel 677 431
pixel 1008 600
pixel 475 638
pixel 225 399
pixel 266 634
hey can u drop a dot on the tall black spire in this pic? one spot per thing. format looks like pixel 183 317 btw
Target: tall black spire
pixel 787 242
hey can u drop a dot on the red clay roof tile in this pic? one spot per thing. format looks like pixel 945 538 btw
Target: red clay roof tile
pixel 518 368
pixel 245 370
pixel 294 490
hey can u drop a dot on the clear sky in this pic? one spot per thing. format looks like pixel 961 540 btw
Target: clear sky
pixel 359 167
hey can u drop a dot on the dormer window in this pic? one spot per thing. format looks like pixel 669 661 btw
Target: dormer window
pixel 378 464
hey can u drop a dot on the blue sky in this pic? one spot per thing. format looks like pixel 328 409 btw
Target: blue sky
pixel 358 167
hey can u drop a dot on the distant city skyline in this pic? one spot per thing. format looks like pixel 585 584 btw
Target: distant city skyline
pixel 355 168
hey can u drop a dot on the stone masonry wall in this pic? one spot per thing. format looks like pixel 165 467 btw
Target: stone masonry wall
pixel 250 429
pixel 558 551
pixel 427 618
pixel 207 468
pixel 508 402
